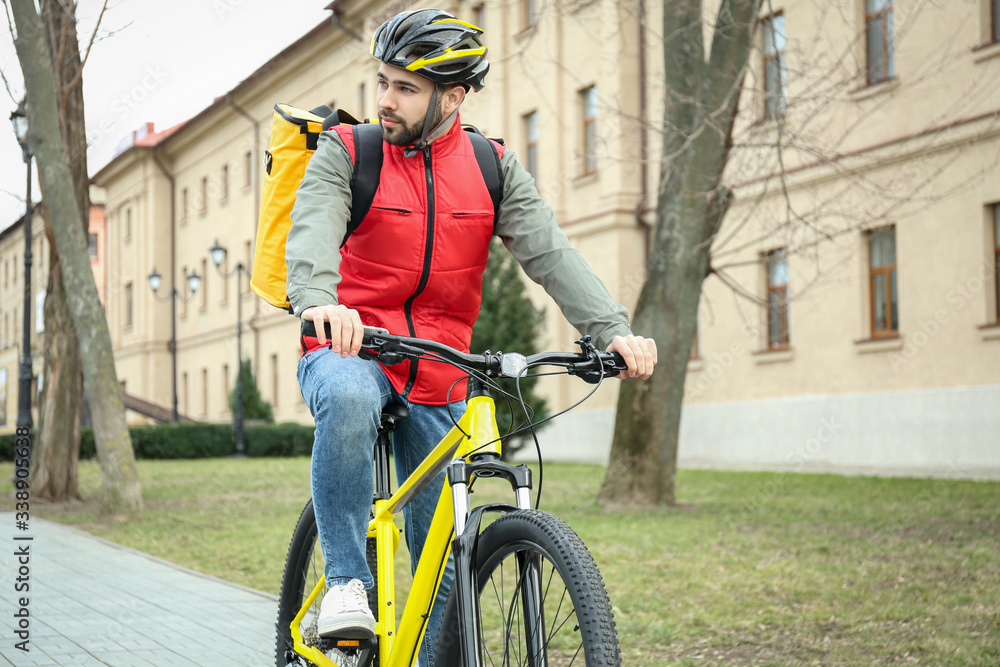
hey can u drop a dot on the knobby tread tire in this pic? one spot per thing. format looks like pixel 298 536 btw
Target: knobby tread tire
pixel 572 560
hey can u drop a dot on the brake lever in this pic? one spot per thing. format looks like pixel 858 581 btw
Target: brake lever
pixel 391 353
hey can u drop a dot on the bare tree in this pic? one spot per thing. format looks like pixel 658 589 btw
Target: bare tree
pixel 38 44
pixel 56 453
pixel 701 105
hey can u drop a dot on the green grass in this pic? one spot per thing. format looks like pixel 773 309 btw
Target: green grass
pixel 749 569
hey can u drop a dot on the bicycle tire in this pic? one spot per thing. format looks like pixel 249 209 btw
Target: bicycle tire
pixel 303 567
pixel 564 556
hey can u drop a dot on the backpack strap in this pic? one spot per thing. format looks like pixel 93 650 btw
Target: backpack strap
pixel 367 170
pixel 489 163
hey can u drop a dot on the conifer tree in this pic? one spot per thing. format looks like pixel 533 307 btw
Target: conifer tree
pixel 254 407
pixel 508 321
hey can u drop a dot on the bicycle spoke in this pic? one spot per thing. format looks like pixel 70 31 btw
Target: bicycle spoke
pixel 530 598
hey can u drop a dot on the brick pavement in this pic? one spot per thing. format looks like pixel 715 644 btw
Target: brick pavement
pixel 96 603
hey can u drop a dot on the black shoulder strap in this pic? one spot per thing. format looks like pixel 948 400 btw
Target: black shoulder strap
pixel 489 163
pixel 367 170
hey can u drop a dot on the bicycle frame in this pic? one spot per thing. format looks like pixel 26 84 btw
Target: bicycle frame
pixel 477 433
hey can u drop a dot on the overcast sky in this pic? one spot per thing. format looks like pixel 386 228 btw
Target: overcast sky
pixel 154 60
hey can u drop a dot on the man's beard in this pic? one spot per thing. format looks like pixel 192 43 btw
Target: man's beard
pixel 406 134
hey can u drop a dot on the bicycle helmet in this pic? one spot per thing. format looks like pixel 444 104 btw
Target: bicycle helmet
pixel 434 44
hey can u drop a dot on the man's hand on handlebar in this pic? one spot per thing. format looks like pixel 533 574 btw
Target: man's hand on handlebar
pixel 346 330
pixel 639 354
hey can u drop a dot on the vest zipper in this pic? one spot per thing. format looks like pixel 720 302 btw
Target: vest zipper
pixel 425 274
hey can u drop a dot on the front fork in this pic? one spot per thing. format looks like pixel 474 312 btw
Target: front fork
pixel 463 547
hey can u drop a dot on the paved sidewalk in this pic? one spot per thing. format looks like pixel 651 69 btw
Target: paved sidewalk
pixel 97 603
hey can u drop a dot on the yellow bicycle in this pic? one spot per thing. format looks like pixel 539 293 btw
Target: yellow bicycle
pixel 526 591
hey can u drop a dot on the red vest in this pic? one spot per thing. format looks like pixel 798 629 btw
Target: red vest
pixel 415 265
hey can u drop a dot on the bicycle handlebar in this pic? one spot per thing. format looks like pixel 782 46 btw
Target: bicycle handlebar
pixel 590 364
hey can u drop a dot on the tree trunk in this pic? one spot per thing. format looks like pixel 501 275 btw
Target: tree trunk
pixel 701 106
pixel 121 496
pixel 56 452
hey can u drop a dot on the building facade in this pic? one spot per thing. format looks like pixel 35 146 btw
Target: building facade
pixel 12 302
pixel 850 323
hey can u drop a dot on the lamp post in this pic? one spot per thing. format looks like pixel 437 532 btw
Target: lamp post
pixel 19 119
pixel 193 281
pixel 218 253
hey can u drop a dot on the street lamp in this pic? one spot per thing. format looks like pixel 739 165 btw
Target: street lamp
pixel 218 253
pixel 193 281
pixel 19 119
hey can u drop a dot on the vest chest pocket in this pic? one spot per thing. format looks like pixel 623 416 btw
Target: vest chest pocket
pixel 399 210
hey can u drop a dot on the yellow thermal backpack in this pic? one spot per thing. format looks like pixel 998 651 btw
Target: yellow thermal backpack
pixel 294 137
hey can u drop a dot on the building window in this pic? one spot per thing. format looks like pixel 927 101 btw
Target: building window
pixel 775 68
pixel 529 13
pixel 204 284
pixel 880 38
pixel 247 265
pixel 225 182
pixel 128 225
pixel 274 380
pixel 92 244
pixel 204 195
pixel 882 282
pixel 531 141
pixel 479 15
pixel 184 390
pixel 184 204
pixel 128 304
pixel 995 20
pixel 204 392
pixel 362 98
pixel 185 290
pixel 777 299
pixel 225 280
pixel 225 387
pixel 247 169
pixel 588 98
pixel 996 246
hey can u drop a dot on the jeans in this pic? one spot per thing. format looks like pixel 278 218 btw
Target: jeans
pixel 346 397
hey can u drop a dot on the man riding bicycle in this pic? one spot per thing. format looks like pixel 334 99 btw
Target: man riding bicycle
pixel 414 267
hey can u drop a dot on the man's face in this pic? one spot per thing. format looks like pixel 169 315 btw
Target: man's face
pixel 402 104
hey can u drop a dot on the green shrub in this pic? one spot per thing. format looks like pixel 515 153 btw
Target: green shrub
pixel 198 441
pixel 7 447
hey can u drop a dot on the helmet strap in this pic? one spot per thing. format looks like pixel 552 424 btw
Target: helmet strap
pixel 410 151
pixel 429 134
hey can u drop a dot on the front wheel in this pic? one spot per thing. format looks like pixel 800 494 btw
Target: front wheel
pixel 541 600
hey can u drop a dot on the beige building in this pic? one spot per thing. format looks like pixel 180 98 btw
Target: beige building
pixel 12 313
pixel 851 323
pixel 12 302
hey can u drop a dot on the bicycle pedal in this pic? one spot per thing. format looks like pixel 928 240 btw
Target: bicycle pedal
pixel 349 652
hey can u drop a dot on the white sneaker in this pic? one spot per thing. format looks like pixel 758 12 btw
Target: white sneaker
pixel 345 613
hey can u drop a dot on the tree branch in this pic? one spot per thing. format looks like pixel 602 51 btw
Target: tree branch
pixel 90 45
